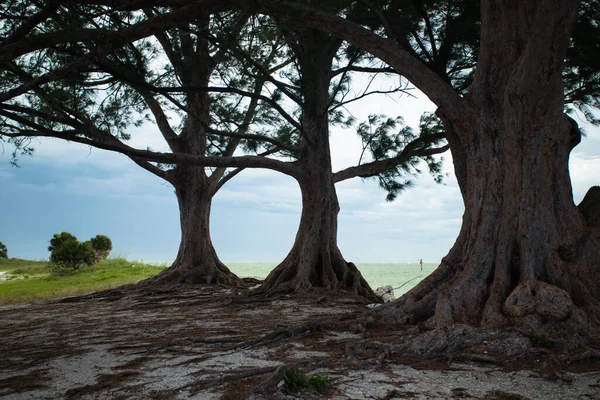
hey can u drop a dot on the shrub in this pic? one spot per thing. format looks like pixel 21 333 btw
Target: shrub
pixel 297 381
pixel 59 239
pixel 72 256
pixel 3 251
pixel 102 245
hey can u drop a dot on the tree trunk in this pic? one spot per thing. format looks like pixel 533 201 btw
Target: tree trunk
pixel 315 260
pixel 524 256
pixel 197 261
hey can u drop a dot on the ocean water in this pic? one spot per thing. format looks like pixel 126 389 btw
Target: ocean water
pixel 402 276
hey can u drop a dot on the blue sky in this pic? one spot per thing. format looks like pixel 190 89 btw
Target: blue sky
pixel 70 187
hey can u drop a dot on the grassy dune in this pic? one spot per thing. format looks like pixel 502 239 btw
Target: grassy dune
pixel 29 280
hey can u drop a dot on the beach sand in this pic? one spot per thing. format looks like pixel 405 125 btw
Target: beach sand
pixel 217 343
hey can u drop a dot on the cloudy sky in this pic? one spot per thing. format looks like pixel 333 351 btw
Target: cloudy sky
pixel 71 187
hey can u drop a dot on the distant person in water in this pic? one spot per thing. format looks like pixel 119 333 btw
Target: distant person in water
pixel 421 262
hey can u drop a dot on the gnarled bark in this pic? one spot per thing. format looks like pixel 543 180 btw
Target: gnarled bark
pixel 315 260
pixel 525 255
pixel 197 261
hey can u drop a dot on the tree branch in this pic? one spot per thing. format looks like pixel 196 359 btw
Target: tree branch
pixel 355 68
pixel 140 84
pixel 236 171
pixel 113 39
pixel 31 22
pixel 251 136
pixel 266 73
pixel 374 168
pixel 267 100
pixel 153 169
pixel 386 49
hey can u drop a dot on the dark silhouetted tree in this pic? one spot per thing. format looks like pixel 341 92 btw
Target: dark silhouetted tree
pixel 3 251
pixel 525 255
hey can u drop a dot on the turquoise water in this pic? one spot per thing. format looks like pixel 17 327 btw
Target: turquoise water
pixel 405 275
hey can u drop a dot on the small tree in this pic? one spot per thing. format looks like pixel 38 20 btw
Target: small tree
pixel 3 251
pixel 59 239
pixel 102 245
pixel 71 256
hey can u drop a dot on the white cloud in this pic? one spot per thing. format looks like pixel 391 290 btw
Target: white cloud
pixel 129 183
pixel 585 172
pixel 147 136
pixel 266 190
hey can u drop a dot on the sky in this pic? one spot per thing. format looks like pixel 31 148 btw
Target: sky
pixel 86 191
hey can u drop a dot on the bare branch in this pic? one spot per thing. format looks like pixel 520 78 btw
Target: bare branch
pixel 355 68
pixel 236 171
pixel 253 136
pixel 266 99
pixel 153 169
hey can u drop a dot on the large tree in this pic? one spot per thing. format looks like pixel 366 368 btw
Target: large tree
pixel 318 83
pixel 526 255
pixel 72 78
pixel 63 103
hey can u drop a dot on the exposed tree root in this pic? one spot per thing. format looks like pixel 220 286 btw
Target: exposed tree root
pixel 271 385
pixel 285 333
pixel 209 272
pixel 295 275
pixel 220 380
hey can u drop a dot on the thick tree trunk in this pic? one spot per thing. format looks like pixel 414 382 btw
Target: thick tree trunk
pixel 197 261
pixel 524 256
pixel 315 260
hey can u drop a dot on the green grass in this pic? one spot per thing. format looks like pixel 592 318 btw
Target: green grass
pixel 37 284
pixel 297 381
pixel 18 266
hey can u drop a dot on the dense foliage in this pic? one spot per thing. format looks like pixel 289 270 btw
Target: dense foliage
pixel 102 245
pixel 59 239
pixel 69 255
pixel 3 251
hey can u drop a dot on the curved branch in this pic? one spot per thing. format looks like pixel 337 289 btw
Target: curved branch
pixel 52 76
pixel 140 84
pixel 249 136
pixel 113 39
pixel 372 70
pixel 434 87
pixel 376 167
pixel 366 94
pixel 266 99
pixel 233 173
pixel 111 143
pixel 153 169
pixel 31 22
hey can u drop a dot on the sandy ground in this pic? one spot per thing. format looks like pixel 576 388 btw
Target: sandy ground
pixel 205 344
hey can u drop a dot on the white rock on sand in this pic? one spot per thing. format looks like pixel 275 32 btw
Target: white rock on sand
pixel 386 293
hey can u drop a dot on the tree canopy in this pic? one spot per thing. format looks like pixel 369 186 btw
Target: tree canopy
pixel 215 84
